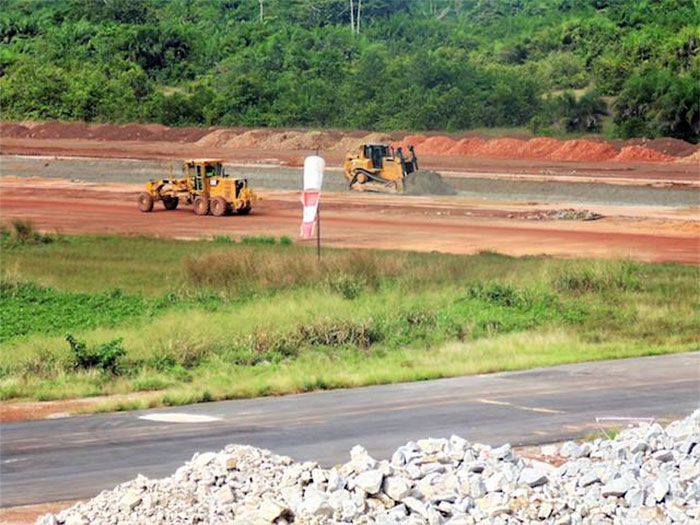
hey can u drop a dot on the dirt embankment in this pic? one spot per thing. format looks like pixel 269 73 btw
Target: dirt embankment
pixel 541 148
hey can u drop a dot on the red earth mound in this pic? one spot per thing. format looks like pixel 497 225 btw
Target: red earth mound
pixel 12 129
pixel 691 159
pixel 583 150
pixel 468 147
pixel 412 140
pixel 502 148
pixel 541 148
pixel 666 145
pixel 641 154
pixel 60 130
pixel 439 145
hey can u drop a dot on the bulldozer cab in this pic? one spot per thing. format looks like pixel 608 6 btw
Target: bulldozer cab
pixel 377 153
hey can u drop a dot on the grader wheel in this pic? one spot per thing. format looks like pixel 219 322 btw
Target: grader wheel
pixel 245 210
pixel 201 206
pixel 170 203
pixel 145 202
pixel 219 207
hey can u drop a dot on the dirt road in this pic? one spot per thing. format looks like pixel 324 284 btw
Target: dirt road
pixel 445 224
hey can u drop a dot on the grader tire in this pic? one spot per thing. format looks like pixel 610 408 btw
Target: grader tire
pixel 244 211
pixel 170 203
pixel 219 207
pixel 145 202
pixel 201 206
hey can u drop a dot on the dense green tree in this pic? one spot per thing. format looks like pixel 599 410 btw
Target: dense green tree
pixel 659 104
pixel 409 64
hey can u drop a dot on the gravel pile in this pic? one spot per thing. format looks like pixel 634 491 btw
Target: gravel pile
pixel 567 214
pixel 647 474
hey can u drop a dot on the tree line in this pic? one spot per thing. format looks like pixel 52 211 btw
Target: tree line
pixel 552 65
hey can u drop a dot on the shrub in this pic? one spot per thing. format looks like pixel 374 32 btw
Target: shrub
pixel 339 333
pixel 251 267
pixel 103 357
pixel 23 231
pixel 497 294
pixel 258 239
pixel 223 239
pixel 346 285
pixel 599 277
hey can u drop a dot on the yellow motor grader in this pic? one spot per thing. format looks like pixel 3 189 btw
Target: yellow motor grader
pixel 381 168
pixel 205 185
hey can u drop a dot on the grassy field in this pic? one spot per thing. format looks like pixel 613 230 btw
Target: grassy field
pixel 207 320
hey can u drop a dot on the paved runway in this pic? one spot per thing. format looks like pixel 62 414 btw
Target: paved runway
pixel 78 457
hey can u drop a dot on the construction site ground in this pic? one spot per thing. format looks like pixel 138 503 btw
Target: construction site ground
pixel 649 213
pixel 650 210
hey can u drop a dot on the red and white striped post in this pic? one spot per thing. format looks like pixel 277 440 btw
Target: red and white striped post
pixel 310 199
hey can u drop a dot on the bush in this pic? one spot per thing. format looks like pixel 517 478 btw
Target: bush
pixel 346 285
pixel 258 239
pixel 23 231
pixel 600 277
pixel 251 267
pixel 104 357
pixel 223 239
pixel 497 294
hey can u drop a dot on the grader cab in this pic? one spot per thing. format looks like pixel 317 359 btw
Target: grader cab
pixel 205 185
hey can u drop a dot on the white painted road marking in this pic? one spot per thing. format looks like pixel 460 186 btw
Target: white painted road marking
pixel 175 417
pixel 521 407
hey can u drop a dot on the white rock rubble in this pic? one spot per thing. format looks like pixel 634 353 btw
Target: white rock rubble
pixel 647 474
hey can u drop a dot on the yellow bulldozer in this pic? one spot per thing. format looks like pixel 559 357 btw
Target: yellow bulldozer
pixel 205 185
pixel 381 168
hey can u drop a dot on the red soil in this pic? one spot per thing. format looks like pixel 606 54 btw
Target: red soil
pixel 439 145
pixel 641 154
pixel 585 150
pixel 467 147
pixel 541 148
pixel 452 225
pixel 691 159
pixel 503 148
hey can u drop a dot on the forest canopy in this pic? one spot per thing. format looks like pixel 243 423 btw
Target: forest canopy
pixel 552 65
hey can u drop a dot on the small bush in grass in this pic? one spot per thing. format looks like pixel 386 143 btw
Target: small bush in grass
pixel 285 240
pixel 497 294
pixel 258 239
pixel 600 277
pixel 23 231
pixel 340 333
pixel 346 285
pixel 44 364
pixel 103 357
pixel 224 239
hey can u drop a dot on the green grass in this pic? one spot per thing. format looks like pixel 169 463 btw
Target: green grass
pixel 208 320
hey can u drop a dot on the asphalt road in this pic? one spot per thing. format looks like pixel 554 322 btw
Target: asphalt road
pixel 78 457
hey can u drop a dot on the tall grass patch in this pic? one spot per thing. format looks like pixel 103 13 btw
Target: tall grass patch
pixel 600 276
pixel 210 319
